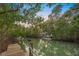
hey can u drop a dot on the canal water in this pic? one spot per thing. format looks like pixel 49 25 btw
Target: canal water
pixel 46 47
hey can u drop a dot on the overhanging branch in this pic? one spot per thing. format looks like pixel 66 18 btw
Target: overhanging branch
pixel 9 11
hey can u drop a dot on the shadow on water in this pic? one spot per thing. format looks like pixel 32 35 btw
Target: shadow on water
pixel 53 48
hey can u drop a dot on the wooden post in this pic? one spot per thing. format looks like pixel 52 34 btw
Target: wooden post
pixel 30 48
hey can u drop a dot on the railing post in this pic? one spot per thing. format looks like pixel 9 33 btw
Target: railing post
pixel 30 47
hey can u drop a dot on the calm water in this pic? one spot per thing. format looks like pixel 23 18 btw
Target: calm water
pixel 53 48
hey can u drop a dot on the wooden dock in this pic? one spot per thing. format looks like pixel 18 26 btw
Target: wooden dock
pixel 14 50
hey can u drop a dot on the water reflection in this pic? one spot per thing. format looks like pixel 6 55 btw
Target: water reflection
pixel 51 48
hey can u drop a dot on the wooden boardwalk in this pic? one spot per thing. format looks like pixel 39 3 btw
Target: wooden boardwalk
pixel 14 50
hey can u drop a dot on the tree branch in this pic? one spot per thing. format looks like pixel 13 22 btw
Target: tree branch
pixel 9 11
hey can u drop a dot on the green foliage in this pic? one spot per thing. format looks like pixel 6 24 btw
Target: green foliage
pixel 57 9
pixel 63 27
